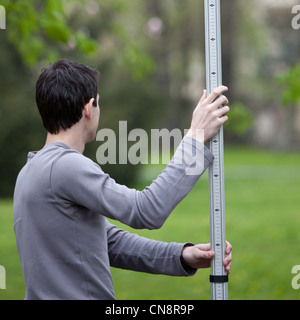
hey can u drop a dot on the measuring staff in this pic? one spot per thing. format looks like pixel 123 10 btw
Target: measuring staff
pixel 219 277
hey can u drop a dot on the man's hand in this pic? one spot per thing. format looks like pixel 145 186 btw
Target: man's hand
pixel 199 256
pixel 207 116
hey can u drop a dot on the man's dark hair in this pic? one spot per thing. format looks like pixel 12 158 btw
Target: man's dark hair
pixel 62 91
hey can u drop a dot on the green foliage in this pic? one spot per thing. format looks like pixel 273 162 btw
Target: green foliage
pixel 241 119
pixel 39 29
pixel 85 44
pixel 132 57
pixel 290 86
pixel 53 21
pixel 36 28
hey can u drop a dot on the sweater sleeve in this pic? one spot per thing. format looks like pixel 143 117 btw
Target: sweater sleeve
pixel 76 180
pixel 132 252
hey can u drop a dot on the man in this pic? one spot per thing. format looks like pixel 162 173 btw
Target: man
pixel 62 199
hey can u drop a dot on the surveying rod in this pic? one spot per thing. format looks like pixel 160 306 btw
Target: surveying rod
pixel 218 277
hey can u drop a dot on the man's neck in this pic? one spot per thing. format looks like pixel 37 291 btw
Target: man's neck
pixel 73 141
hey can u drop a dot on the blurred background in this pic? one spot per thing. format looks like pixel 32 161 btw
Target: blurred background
pixel 151 56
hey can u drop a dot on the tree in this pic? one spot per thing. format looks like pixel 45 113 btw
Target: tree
pixel 40 32
pixel 35 28
pixel 290 86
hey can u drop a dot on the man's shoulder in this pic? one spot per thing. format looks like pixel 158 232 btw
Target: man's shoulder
pixel 70 169
pixel 72 159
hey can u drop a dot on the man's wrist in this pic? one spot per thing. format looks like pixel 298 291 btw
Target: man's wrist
pixel 183 262
pixel 197 134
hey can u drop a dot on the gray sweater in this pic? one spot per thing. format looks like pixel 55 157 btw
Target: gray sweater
pixel 65 243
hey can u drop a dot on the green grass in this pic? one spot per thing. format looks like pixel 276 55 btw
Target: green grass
pixel 262 224
pixel 15 288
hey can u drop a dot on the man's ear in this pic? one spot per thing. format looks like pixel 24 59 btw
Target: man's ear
pixel 87 110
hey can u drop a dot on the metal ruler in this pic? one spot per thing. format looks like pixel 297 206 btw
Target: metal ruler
pixel 219 277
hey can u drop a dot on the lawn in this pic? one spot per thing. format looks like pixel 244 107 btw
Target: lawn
pixel 262 224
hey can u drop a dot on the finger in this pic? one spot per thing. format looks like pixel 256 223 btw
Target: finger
pixel 204 247
pixel 227 268
pixel 204 96
pixel 222 120
pixel 227 265
pixel 216 93
pixel 208 254
pixel 228 247
pixel 227 259
pixel 204 254
pixel 222 111
pixel 221 101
